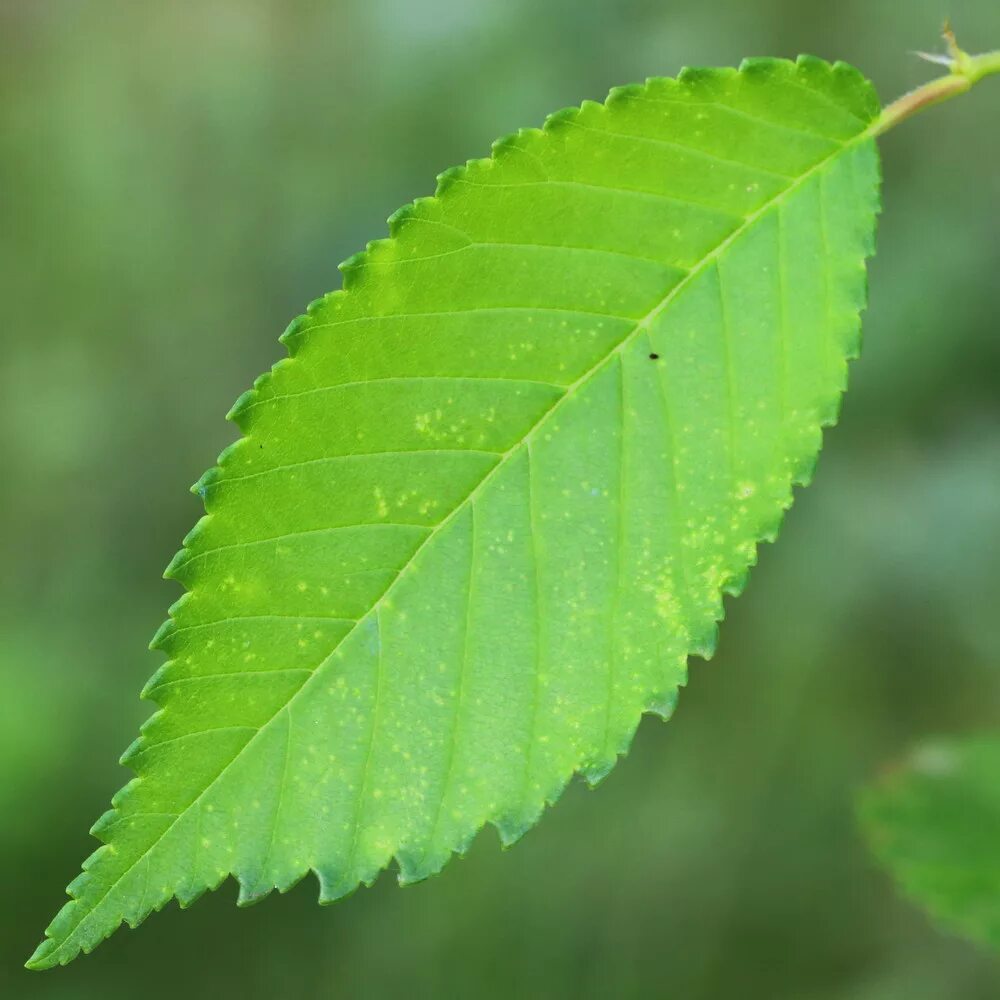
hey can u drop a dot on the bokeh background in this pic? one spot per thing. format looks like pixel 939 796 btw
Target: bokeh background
pixel 177 180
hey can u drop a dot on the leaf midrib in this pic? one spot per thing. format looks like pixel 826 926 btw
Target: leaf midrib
pixel 639 326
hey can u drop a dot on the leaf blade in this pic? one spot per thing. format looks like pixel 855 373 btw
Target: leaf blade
pixel 676 324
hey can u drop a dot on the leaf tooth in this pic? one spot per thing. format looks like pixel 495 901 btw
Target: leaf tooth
pixel 296 327
pixel 162 635
pixel 293 336
pixel 376 248
pixel 770 529
pixel 137 917
pixel 77 887
pixel 418 865
pixel 243 402
pixel 151 722
pixel 594 772
pixel 620 95
pixel 704 643
pixel 504 142
pixel 591 113
pixel 853 81
pixel 830 413
pixel 352 268
pixel 403 214
pixel 133 750
pixel 252 891
pixel 255 394
pixel 172 572
pixel 343 880
pixel 291 879
pixel 134 757
pixel 178 606
pixel 220 877
pixel 121 798
pixel 805 469
pixel 193 537
pixel 813 64
pixel 664 703
pixel 92 861
pixel 104 822
pixel 319 303
pixel 185 571
pixel 334 886
pixel 148 691
pixel 229 453
pixel 660 84
pixel 559 119
pixel 852 344
pixel 511 829
pixel 264 380
pixel 447 178
pixel 699 76
pixel 208 478
pixel 189 895
pixel 349 263
pixel 200 488
pixel 852 73
pixel 737 583
pixel 257 884
pixel 766 67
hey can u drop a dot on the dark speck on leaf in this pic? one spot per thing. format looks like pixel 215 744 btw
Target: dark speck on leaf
pixel 654 357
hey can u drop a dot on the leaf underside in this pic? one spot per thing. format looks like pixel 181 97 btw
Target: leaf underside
pixel 934 822
pixel 490 503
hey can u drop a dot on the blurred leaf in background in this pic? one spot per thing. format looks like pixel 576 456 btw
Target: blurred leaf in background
pixel 178 181
pixel 934 821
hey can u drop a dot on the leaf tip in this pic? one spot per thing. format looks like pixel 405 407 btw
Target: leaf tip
pixel 41 958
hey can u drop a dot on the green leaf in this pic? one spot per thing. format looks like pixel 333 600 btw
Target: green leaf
pixel 490 503
pixel 934 822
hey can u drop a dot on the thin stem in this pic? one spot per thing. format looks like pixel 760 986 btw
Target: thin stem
pixel 966 71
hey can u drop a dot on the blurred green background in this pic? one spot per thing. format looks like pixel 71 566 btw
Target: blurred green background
pixel 177 180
